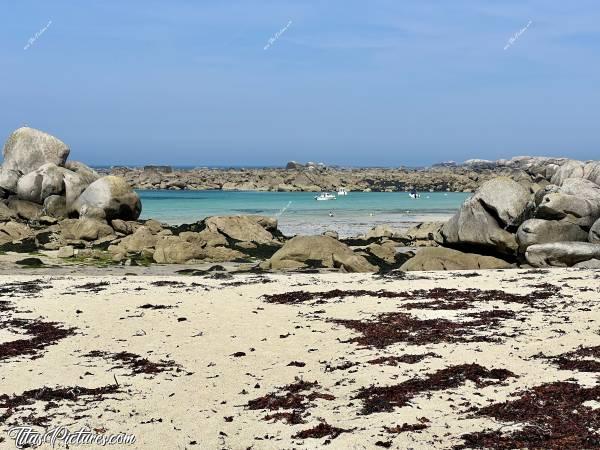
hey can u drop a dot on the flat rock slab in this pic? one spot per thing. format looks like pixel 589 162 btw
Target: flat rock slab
pixel 561 254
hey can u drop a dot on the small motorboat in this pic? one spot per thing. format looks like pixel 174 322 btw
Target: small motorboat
pixel 325 196
pixel 414 194
pixel 342 192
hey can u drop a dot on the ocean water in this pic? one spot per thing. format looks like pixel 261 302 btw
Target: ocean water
pixel 299 212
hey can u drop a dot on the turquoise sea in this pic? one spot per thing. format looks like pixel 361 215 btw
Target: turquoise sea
pixel 299 212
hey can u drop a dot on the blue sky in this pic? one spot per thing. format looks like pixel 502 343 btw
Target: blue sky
pixel 348 82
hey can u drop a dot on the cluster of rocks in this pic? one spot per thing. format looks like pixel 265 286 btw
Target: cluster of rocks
pixel 309 177
pixel 315 177
pixel 36 180
pixel 538 212
pixel 552 220
pixel 49 204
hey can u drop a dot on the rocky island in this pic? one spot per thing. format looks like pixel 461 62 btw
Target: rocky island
pixel 312 177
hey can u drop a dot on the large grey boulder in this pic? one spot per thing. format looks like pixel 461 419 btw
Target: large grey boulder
pixel 473 227
pixel 591 171
pixel 385 252
pixel 25 209
pixel 576 201
pixel 439 258
pixel 580 187
pixel 538 231
pixel 92 212
pixel 142 238
pixel 8 181
pixel 210 238
pixel 302 251
pixel 256 229
pixel 424 234
pixel 175 250
pixel 27 149
pixel 55 206
pixel 504 199
pixel 561 254
pixel 113 196
pixel 36 186
pixel 482 221
pixel 125 227
pixel 590 264
pixel 6 213
pixel 51 179
pixel 66 252
pixel 221 254
pixel 380 231
pixel 77 178
pixel 570 169
pixel 14 231
pixel 539 195
pixel 86 173
pixel 84 229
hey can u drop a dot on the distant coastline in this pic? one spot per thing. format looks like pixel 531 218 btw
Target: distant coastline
pixel 305 178
pixel 317 177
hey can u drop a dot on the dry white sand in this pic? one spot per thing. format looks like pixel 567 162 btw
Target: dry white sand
pixel 208 320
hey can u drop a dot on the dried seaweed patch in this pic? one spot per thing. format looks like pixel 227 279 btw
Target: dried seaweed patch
pixel 405 359
pixel 51 396
pixel 391 328
pixel 136 363
pixel 554 417
pixel 444 298
pixel 43 334
pixel 320 431
pixel 150 306
pixel 386 398
pixel 579 359
pixel 296 297
pixel 15 288
pixel 291 418
pixel 297 397
pixel 93 287
pixel 406 428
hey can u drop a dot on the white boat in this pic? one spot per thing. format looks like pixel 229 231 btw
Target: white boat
pixel 342 191
pixel 325 196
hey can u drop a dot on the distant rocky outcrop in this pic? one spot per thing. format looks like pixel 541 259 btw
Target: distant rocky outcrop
pixel 163 169
pixel 312 177
pixel 532 172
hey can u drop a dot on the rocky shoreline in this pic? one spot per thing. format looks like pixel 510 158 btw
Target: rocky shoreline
pixel 526 212
pixel 311 177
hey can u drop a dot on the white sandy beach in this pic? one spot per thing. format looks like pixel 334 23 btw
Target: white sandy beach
pixel 230 346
